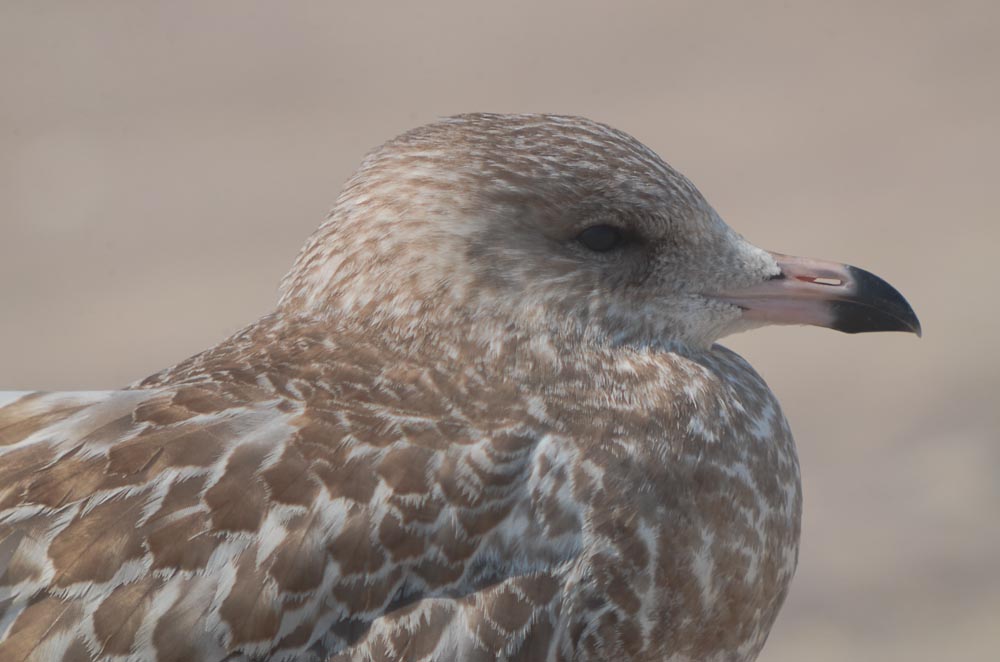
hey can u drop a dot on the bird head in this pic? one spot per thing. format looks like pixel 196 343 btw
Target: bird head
pixel 553 223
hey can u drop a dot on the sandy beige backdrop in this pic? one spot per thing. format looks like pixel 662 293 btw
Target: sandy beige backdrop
pixel 161 163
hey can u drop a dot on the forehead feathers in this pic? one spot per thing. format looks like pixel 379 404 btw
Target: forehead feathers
pixel 542 159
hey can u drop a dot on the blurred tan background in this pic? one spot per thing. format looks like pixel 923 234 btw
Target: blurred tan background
pixel 161 163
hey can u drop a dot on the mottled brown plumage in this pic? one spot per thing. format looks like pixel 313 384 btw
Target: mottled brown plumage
pixel 462 435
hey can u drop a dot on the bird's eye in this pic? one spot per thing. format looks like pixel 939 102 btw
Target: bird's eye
pixel 601 238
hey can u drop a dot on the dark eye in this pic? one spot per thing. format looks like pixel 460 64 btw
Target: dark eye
pixel 601 238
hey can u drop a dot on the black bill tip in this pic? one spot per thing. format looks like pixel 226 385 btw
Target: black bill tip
pixel 872 304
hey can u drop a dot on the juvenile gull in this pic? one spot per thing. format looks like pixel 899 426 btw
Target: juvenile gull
pixel 486 421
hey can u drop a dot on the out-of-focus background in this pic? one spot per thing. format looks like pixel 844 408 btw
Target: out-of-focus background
pixel 161 163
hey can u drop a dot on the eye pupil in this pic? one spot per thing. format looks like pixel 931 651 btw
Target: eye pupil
pixel 601 238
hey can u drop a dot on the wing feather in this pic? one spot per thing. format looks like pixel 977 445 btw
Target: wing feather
pixel 202 519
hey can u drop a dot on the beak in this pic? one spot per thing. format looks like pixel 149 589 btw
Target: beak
pixel 837 296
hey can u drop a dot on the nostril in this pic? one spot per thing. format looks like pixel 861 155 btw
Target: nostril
pixel 821 280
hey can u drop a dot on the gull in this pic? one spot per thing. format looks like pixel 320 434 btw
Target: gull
pixel 487 420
